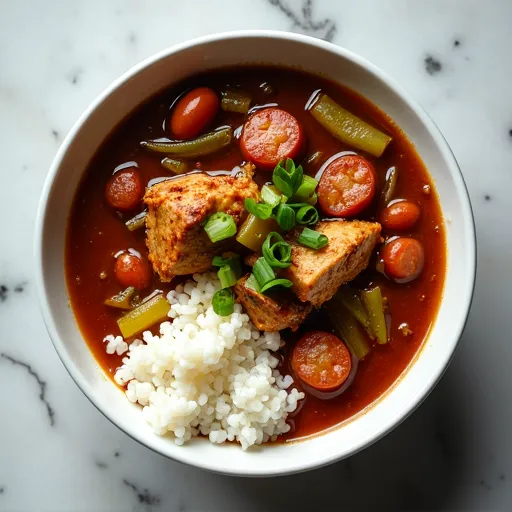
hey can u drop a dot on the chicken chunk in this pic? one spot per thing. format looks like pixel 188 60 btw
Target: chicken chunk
pixel 317 275
pixel 177 209
pixel 273 312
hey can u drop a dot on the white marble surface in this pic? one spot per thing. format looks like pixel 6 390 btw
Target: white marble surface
pixel 58 453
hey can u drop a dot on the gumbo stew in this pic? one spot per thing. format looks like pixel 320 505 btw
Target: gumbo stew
pixel 256 254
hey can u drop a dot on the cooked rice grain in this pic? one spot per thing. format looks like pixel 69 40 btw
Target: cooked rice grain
pixel 207 374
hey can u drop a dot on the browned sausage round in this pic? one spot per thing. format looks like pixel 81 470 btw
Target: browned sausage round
pixel 133 271
pixel 403 259
pixel 124 190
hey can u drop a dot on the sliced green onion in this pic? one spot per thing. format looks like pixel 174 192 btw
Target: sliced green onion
pixel 263 271
pixel 372 301
pixel 276 282
pixel 235 101
pixel 223 302
pixel 270 195
pixel 276 251
pixel 227 276
pixel 232 262
pixel 176 166
pixel 252 283
pixel 137 222
pixel 285 217
pixel 288 178
pixel 220 226
pixel 306 192
pixel 307 215
pixel 312 239
pixel 261 210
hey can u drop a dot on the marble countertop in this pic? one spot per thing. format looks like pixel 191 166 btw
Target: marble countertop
pixel 58 453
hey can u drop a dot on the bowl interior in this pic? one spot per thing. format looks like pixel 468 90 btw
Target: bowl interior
pixel 143 81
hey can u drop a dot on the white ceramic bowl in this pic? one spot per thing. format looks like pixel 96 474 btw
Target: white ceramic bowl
pixel 173 65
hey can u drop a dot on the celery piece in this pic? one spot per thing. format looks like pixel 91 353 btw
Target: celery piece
pixel 349 128
pixel 254 231
pixel 347 328
pixel 372 301
pixel 176 166
pixel 144 316
pixel 352 302
pixel 122 300
pixel 235 101
pixel 137 222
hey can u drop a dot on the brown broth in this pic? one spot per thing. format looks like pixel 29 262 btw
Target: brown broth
pixel 96 233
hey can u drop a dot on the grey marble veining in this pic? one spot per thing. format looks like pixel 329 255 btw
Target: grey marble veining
pixel 58 453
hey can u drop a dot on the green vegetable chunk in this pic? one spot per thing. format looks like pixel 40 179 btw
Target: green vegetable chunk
pixel 261 210
pixel 372 301
pixel 263 272
pixel 271 195
pixel 122 300
pixel 220 226
pixel 204 145
pixel 306 193
pixel 351 301
pixel 137 222
pixel 312 239
pixel 388 191
pixel 176 166
pixel 288 178
pixel 223 302
pixel 253 231
pixel 348 128
pixel 252 283
pixel 276 282
pixel 307 215
pixel 144 316
pixel 276 251
pixel 235 101
pixel 285 217
pixel 347 328
pixel 227 276
pixel 232 260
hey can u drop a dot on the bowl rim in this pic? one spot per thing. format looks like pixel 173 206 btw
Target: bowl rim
pixel 435 133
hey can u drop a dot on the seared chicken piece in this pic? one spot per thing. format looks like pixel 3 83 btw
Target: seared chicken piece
pixel 177 210
pixel 273 312
pixel 317 275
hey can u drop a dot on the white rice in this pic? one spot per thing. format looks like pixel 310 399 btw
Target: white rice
pixel 207 374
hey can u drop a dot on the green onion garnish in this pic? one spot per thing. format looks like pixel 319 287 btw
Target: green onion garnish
pixel 276 282
pixel 288 178
pixel 263 271
pixel 223 302
pixel 307 215
pixel 285 217
pixel 306 192
pixel 261 210
pixel 227 276
pixel 276 251
pixel 220 226
pixel 312 239
pixel 233 262
pixel 252 283
pixel 270 196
